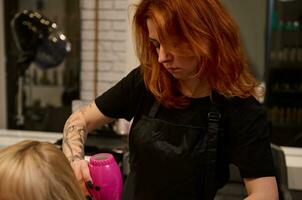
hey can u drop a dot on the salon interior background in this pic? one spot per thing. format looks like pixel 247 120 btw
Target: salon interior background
pixel 114 50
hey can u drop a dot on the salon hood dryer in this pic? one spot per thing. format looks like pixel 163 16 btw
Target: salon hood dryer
pixel 39 41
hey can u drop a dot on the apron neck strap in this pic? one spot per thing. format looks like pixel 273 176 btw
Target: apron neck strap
pixel 212 138
pixel 154 109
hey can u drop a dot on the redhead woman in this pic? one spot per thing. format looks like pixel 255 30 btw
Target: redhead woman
pixel 194 107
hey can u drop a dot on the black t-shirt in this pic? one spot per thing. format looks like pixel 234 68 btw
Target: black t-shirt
pixel 245 121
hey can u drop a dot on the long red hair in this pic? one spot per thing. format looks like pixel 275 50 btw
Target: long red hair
pixel 208 31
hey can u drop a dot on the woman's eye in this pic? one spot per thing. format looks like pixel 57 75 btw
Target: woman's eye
pixel 155 43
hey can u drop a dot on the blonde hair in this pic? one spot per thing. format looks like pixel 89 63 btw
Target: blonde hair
pixel 36 170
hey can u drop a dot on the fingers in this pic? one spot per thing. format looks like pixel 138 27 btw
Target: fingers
pixel 85 171
pixel 81 170
pixel 86 175
pixel 84 188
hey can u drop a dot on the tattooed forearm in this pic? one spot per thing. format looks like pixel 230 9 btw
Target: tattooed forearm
pixel 84 109
pixel 74 137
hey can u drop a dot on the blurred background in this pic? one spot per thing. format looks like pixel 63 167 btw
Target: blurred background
pixel 101 53
pixel 46 92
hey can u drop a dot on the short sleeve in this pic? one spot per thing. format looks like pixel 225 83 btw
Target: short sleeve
pixel 250 139
pixel 120 101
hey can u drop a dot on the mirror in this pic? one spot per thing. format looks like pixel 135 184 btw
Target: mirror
pixel 50 74
pixel 40 42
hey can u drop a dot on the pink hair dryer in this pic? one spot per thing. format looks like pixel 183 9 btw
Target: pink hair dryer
pixel 106 176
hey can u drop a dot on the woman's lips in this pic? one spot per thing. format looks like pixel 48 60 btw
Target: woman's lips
pixel 173 69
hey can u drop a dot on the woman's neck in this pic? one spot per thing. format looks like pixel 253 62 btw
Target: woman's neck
pixel 195 88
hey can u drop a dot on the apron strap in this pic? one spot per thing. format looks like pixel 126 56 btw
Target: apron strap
pixel 154 109
pixel 214 120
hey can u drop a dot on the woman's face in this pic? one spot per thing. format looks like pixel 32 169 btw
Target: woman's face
pixel 181 67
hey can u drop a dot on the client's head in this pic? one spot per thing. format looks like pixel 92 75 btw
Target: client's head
pixel 36 170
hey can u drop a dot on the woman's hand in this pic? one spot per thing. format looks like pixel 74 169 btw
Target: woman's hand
pixel 81 170
pixel 76 128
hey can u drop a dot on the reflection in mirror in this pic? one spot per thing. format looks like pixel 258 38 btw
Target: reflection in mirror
pixel 38 41
pixel 49 82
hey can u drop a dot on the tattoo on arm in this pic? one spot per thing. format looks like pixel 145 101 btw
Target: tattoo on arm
pixel 84 109
pixel 74 136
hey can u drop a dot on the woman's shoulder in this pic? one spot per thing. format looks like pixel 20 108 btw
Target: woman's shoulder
pixel 133 82
pixel 242 109
pixel 239 102
pixel 135 75
pixel 136 72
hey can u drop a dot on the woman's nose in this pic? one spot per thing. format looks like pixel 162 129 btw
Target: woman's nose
pixel 163 55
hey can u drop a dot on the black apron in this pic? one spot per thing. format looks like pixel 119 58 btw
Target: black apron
pixel 173 161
